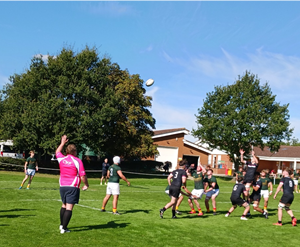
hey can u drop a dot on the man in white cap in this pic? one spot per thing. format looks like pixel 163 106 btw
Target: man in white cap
pixel 114 174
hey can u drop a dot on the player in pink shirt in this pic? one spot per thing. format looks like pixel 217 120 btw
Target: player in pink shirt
pixel 71 174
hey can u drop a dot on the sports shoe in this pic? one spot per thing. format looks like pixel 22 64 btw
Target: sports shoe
pixel 243 218
pixel 277 224
pixel 214 213
pixel 174 217
pixel 161 213
pixel 27 188
pixel 178 212
pixel 226 215
pixel 20 187
pixel 105 183
pixel 102 210
pixel 60 227
pixel 116 213
pixel 248 214
pixel 266 215
pixel 200 214
pixel 62 231
pixel 208 211
pixel 192 212
pixel 294 222
pixel 100 183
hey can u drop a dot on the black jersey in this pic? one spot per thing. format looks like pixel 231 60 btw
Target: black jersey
pixel 288 185
pixel 255 184
pixel 177 177
pixel 237 190
pixel 251 169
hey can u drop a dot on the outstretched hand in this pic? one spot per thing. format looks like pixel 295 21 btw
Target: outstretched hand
pixel 64 139
pixel 242 151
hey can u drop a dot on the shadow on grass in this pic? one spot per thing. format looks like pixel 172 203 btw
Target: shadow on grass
pixel 4 225
pixel 136 211
pixel 11 216
pixel 110 224
pixel 15 210
pixel 135 186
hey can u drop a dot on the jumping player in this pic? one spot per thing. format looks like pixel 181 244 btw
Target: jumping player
pixel 255 196
pixel 198 190
pixel 178 178
pixel 287 198
pixel 266 183
pixel 251 169
pixel 236 200
pixel 212 192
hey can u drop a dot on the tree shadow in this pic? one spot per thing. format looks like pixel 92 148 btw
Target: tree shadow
pixel 4 225
pixel 110 224
pixel 136 211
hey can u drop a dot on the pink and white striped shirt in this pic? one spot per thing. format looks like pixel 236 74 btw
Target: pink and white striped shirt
pixel 71 169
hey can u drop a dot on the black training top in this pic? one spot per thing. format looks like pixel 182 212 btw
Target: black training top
pixel 251 169
pixel 177 177
pixel 237 190
pixel 255 184
pixel 288 185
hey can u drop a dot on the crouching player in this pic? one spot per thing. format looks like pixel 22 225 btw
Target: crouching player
pixel 255 196
pixel 198 190
pixel 287 198
pixel 236 200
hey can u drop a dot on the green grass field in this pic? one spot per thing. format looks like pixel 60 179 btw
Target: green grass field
pixel 31 217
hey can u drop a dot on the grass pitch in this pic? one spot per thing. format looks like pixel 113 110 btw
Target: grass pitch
pixel 31 217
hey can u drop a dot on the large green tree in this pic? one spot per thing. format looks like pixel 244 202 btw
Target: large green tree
pixel 79 94
pixel 240 115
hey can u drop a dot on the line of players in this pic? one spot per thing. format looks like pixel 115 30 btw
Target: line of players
pixel 206 183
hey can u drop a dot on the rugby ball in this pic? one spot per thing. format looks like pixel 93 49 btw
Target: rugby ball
pixel 149 82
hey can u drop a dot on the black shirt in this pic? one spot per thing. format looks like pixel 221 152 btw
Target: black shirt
pixel 257 183
pixel 251 169
pixel 237 190
pixel 177 177
pixel 288 185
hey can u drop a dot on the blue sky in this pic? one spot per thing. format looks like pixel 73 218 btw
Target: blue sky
pixel 188 48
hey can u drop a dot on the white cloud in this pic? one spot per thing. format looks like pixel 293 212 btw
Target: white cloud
pixel 43 57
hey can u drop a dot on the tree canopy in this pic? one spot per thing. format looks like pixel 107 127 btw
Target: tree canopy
pixel 89 99
pixel 240 115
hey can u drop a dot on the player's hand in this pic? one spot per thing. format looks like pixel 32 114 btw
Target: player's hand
pixel 128 183
pixel 64 139
pixel 274 196
pixel 84 187
pixel 242 151
pixel 270 193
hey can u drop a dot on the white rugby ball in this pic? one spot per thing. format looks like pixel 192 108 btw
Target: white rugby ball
pixel 149 82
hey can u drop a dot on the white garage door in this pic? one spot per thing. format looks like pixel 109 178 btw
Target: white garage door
pixel 167 154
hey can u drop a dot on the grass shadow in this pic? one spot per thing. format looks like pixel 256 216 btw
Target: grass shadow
pixel 136 211
pixel 11 216
pixel 110 224
pixel 15 210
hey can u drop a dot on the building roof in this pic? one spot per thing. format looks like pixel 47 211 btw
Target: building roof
pixel 284 151
pixel 168 132
pixel 191 144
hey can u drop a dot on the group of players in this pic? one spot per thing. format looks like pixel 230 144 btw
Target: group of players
pixel 206 183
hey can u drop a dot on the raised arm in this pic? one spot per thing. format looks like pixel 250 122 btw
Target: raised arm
pixel 254 157
pixel 63 141
pixel 242 156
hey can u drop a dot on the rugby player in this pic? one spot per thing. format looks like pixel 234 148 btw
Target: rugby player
pixel 236 200
pixel 178 178
pixel 287 198
pixel 212 192
pixel 266 183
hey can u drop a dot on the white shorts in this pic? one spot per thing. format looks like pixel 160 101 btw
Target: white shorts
pixel 30 172
pixel 264 193
pixel 198 193
pixel 209 194
pixel 113 189
pixel 167 192
pixel 295 182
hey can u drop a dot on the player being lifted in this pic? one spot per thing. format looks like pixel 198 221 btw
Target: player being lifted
pixel 255 196
pixel 266 183
pixel 236 200
pixel 212 192
pixel 178 178
pixel 287 198
pixel 251 169
pixel 197 192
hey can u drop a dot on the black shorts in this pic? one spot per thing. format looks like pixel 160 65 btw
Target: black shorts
pixel 255 197
pixel 287 198
pixel 174 191
pixel 104 173
pixel 69 195
pixel 248 180
pixel 237 201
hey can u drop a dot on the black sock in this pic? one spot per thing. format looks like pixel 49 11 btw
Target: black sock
pixel 164 209
pixel 66 218
pixel 293 217
pixel 62 212
pixel 243 215
pixel 173 213
pixel 279 221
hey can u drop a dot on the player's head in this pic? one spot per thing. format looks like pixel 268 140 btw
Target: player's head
pixel 240 168
pixel 263 173
pixel 31 153
pixel 183 164
pixel 71 149
pixel 287 172
pixel 240 179
pixel 209 172
pixel 256 175
pixel 105 160
pixel 116 160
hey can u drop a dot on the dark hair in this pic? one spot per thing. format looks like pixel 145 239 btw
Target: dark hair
pixel 240 179
pixel 257 173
